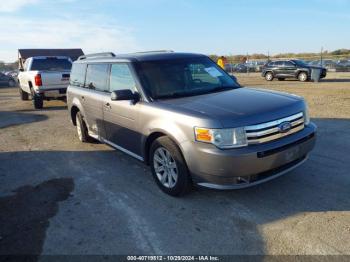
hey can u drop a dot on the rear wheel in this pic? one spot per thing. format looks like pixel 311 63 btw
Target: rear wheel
pixel 38 101
pixel 269 76
pixel 23 95
pixel 82 130
pixel 302 76
pixel 169 168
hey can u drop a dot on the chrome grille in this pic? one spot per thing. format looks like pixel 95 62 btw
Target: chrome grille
pixel 265 132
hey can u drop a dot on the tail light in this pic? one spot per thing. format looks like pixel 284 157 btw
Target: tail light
pixel 37 80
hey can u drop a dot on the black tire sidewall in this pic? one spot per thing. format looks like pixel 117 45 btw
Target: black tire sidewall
pixel 23 95
pixel 84 131
pixel 38 101
pixel 183 183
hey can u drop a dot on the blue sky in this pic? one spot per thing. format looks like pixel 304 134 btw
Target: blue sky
pixel 221 27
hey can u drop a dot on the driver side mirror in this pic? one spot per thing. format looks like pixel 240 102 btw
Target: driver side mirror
pixel 124 94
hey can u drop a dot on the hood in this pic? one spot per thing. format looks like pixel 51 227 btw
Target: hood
pixel 242 106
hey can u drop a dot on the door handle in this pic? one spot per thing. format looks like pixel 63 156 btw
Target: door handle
pixel 83 97
pixel 108 105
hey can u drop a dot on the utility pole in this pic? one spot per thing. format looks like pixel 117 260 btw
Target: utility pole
pixel 247 64
pixel 322 56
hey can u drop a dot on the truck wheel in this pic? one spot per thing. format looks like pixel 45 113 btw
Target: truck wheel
pixel 269 76
pixel 82 130
pixel 302 77
pixel 38 101
pixel 12 83
pixel 23 95
pixel 169 168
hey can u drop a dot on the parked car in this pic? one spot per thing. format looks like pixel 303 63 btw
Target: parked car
pixel 191 126
pixel 255 66
pixel 290 69
pixel 44 78
pixel 7 80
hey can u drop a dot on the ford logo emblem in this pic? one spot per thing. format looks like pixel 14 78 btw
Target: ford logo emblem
pixel 285 127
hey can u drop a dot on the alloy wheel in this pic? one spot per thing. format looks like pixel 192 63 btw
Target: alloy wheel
pixel 165 167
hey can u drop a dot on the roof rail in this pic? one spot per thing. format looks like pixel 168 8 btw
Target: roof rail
pixel 156 51
pixel 97 55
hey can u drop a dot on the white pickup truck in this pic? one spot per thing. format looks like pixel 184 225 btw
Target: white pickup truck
pixel 44 78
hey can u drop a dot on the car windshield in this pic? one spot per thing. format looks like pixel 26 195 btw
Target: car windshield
pixel 299 63
pixel 183 77
pixel 51 64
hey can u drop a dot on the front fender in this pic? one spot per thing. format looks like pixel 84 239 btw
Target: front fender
pixel 168 128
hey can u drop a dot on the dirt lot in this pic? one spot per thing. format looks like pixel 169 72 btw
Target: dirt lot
pixel 58 196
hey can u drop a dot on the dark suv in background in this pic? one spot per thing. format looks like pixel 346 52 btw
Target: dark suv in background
pixel 297 69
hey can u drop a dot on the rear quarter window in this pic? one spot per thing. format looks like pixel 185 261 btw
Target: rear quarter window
pixel 77 76
pixel 97 77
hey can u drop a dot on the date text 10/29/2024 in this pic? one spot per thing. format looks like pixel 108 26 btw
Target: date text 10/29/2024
pixel 173 258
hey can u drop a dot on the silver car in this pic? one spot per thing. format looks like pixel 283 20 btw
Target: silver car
pixel 188 119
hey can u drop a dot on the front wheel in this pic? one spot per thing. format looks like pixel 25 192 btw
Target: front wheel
pixel 269 76
pixel 23 95
pixel 169 168
pixel 302 77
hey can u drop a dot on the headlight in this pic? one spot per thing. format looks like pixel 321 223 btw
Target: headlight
pixel 222 138
pixel 306 115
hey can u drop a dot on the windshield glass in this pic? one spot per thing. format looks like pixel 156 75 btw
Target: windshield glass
pixel 299 63
pixel 51 64
pixel 183 77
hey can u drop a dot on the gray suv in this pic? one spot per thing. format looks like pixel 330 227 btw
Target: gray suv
pixel 188 119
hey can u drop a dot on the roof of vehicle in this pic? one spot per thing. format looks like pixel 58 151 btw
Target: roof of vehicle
pixel 73 53
pixel 137 57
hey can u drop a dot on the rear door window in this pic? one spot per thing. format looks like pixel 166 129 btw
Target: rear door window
pixel 288 64
pixel 279 63
pixel 97 76
pixel 77 77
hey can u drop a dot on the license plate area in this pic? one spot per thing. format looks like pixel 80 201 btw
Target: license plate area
pixel 52 93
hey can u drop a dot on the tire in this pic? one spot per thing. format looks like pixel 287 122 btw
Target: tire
pixel 12 83
pixel 38 101
pixel 281 79
pixel 82 130
pixel 269 76
pixel 23 95
pixel 169 168
pixel 302 77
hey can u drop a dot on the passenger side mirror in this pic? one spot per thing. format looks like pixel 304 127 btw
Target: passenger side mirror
pixel 124 94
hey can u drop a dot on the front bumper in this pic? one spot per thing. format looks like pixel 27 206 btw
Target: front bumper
pixel 244 167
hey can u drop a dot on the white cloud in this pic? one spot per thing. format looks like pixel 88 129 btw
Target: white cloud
pixel 92 35
pixel 14 5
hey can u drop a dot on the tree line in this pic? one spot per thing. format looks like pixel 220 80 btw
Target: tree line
pixel 243 58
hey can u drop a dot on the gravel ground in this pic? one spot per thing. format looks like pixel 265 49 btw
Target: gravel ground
pixel 59 196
